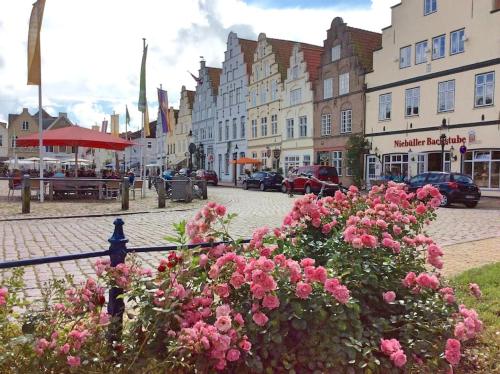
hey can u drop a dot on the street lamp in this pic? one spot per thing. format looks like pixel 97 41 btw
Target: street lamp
pixel 201 157
pixel 191 149
pixel 442 140
pixel 235 159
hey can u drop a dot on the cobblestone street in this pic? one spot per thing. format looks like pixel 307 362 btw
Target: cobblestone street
pixel 21 239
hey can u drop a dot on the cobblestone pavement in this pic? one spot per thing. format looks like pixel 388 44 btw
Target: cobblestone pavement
pixel 20 239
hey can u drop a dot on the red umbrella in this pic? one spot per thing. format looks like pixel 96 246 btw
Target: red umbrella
pixel 75 136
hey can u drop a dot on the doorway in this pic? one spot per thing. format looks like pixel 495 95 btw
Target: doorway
pixel 436 163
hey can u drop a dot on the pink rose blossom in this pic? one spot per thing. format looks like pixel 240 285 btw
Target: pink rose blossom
pixel 260 318
pixel 233 355
pixel 245 345
pixel 73 361
pixel 239 319
pixel 303 290
pixel 222 290
pixel 341 294
pixel 222 310
pixel 409 279
pixel 389 296
pixel 399 358
pixel 452 352
pixel 270 302
pixel 475 290
pixel 223 323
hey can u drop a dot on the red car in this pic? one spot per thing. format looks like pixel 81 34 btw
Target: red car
pixel 302 182
pixel 209 175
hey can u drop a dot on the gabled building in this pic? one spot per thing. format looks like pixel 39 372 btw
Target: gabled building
pixel 230 134
pixel 204 116
pixel 297 108
pixel 143 147
pixel 432 98
pixel 24 124
pixel 4 142
pixel 179 139
pixel 340 94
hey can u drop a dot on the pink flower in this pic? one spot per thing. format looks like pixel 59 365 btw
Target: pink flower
pixel 270 302
pixel 409 279
pixel 203 260
pixel 260 318
pixel 427 281
pixel 245 345
pixel 341 294
pixel 303 290
pixel 64 349
pixel 389 346
pixel 307 262
pixel 389 296
pixel 73 361
pixel 237 280
pixel 421 209
pixel 223 323
pixel 223 310
pixel 460 331
pixel 239 319
pixel 475 290
pixel 331 284
pixel 452 352
pixel 399 358
pixel 222 290
pixel 233 355
pixel 220 210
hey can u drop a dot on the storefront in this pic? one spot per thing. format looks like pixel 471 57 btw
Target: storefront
pixel 471 151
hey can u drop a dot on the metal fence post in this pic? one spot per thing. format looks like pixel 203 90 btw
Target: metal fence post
pixel 116 305
pixel 125 193
pixel 160 184
pixel 26 195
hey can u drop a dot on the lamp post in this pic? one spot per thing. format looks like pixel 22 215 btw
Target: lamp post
pixel 235 159
pixel 442 141
pixel 191 149
pixel 201 157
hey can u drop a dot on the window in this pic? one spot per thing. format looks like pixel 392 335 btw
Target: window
pixel 210 132
pixel 295 96
pixel 274 90
pixel 430 6
pixel 253 95
pixel 289 128
pixel 303 126
pixel 226 164
pixel 421 52
pixel 220 131
pixel 457 42
pixel 438 47
pixel 25 126
pixel 238 95
pixel 227 130
pixel 291 162
pixel 328 88
pixel 274 124
pixel 337 161
pixel 396 165
pixel 1 141
pixel 263 96
pixel 446 96
pixel 344 84
pixel 231 98
pixel 242 127
pixel 225 100
pixel 49 148
pixel 336 53
pixel 254 128
pixel 412 99
pixel 263 159
pixel 307 160
pixel 384 107
pixel 485 84
pixel 405 57
pixel 295 72
pixel 326 124
pixel 263 126
pixel 484 167
pixel 346 121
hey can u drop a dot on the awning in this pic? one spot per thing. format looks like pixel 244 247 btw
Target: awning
pixel 246 161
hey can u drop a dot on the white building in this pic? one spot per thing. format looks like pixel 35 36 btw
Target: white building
pixel 4 142
pixel 147 145
pixel 203 116
pixel 230 134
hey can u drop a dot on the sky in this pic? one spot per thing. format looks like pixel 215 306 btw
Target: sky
pixel 92 49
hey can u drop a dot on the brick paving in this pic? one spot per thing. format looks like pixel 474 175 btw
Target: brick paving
pixel 20 239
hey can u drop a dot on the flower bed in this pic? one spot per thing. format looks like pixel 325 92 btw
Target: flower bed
pixel 347 284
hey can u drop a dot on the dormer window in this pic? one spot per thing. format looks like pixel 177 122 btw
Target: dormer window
pixel 430 6
pixel 336 53
pixel 25 126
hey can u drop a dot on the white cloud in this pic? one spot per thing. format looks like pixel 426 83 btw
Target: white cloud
pixel 91 50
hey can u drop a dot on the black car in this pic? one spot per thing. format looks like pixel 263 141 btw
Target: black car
pixel 455 187
pixel 263 180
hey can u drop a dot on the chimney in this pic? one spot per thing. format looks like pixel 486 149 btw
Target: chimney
pixel 202 62
pixel 25 110
pixel 63 114
pixel 95 127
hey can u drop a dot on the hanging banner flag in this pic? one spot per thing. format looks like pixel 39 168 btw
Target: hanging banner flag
pixel 142 88
pixel 34 59
pixel 104 127
pixel 115 124
pixel 147 129
pixel 163 104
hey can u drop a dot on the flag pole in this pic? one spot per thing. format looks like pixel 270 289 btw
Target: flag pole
pixel 40 136
pixel 143 151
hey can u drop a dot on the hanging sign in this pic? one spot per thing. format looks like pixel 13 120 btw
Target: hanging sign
pixel 463 149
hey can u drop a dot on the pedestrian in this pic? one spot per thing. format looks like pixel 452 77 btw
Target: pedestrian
pixel 290 178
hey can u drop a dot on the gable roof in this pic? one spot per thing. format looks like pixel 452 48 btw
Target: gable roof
pixel 248 48
pixel 364 42
pixel 312 58
pixel 214 76
pixel 47 119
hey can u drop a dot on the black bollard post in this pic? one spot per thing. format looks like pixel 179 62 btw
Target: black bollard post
pixel 26 195
pixel 116 306
pixel 161 193
pixel 125 193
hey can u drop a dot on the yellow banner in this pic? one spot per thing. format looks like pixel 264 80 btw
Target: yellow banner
pixel 115 124
pixel 147 130
pixel 34 59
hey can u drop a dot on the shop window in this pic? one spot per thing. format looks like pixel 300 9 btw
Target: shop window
pixel 396 166
pixel 307 160
pixel 291 162
pixel 483 167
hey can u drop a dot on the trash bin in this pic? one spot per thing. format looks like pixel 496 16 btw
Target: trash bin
pixel 202 184
pixel 182 189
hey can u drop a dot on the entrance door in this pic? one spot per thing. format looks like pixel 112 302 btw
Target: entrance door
pixel 421 163
pixel 371 167
pixel 436 163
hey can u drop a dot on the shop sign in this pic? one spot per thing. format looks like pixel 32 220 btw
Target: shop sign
pixel 416 142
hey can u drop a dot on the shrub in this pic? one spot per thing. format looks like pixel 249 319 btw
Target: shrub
pixel 347 284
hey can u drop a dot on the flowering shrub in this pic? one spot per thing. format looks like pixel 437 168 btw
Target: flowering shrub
pixel 347 284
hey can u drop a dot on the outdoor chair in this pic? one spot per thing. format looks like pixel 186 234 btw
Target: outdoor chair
pixel 136 185
pixel 14 185
pixel 113 188
pixel 35 186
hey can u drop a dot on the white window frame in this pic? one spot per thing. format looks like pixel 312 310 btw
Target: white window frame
pixel 328 88
pixel 336 50
pixel 295 72
pixel 263 126
pixel 263 96
pixel 343 84
pixel 384 103
pixel 457 42
pixel 446 96
pixel 405 57
pixel 295 96
pixel 336 160
pixel 326 124
pixel 242 127
pixel 306 160
pixel 290 128
pixel 412 101
pixel 430 6
pixel 421 52
pixel 484 87
pixel 25 126
pixel 274 124
pixel 274 90
pixel 254 128
pixel 303 126
pixel 220 131
pixel 346 121
pixel 442 53
pixel 235 128
pixel 226 130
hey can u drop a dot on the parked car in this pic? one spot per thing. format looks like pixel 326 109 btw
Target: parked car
pixel 455 187
pixel 263 180
pixel 302 182
pixel 209 175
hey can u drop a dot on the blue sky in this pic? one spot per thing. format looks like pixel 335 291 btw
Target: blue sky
pixel 310 3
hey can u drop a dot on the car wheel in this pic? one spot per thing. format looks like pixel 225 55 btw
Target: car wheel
pixel 308 189
pixel 471 204
pixel 245 186
pixel 262 187
pixel 284 188
pixel 444 201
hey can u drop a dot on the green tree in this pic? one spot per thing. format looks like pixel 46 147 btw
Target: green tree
pixel 356 147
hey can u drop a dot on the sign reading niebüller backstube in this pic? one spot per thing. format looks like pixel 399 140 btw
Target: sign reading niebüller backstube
pixel 421 142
